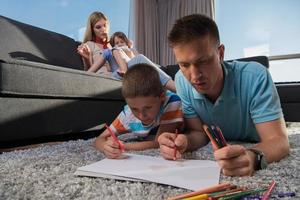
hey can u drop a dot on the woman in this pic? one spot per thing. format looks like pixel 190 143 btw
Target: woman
pixel 95 39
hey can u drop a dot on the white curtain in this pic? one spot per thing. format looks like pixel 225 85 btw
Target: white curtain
pixel 151 21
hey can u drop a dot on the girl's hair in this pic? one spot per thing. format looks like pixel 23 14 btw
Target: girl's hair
pixel 121 35
pixel 141 80
pixel 89 34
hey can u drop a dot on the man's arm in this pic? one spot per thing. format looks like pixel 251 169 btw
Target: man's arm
pixel 195 134
pixel 236 160
pixel 273 134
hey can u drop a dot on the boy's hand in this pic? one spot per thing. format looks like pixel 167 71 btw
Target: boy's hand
pixel 168 142
pixel 107 145
pixel 111 148
pixel 235 160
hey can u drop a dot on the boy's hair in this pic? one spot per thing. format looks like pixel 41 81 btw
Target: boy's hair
pixel 141 80
pixel 121 35
pixel 193 27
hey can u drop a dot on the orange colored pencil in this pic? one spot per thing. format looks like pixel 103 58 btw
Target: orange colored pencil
pixel 214 188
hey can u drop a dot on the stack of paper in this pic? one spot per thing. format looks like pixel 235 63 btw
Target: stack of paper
pixel 188 174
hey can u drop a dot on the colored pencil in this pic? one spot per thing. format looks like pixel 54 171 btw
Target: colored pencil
pixel 215 135
pixel 226 192
pixel 197 197
pixel 210 136
pixel 268 192
pixel 224 143
pixel 175 147
pixel 215 188
pixel 241 194
pixel 121 146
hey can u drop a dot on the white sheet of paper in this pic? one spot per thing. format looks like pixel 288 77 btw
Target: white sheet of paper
pixel 188 174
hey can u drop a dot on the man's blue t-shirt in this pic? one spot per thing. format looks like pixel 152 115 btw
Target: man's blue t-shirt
pixel 248 97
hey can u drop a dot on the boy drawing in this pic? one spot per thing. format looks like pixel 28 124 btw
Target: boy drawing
pixel 148 107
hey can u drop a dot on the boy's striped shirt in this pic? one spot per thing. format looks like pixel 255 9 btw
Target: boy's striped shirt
pixel 170 112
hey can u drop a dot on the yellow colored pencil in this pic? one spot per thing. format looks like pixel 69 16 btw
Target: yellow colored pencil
pixel 197 197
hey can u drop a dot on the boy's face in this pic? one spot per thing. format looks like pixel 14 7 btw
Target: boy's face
pixel 145 108
pixel 119 42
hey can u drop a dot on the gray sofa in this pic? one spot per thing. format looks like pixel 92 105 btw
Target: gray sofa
pixel 43 89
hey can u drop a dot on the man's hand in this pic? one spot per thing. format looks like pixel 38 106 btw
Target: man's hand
pixel 169 143
pixel 235 160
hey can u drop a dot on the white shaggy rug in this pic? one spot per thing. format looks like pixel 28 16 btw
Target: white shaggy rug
pixel 47 172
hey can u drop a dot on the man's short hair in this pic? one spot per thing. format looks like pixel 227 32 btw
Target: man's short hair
pixel 141 80
pixel 193 27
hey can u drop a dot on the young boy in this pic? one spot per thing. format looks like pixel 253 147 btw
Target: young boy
pixel 148 107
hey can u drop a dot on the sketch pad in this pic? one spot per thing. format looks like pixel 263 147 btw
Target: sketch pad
pixel 188 174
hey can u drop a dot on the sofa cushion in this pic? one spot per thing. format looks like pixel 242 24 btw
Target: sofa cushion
pixel 26 42
pixel 26 78
pixel 29 118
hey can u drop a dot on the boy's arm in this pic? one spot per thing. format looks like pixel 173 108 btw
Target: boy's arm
pixel 100 140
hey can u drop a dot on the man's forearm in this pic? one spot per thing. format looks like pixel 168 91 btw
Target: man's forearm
pixel 196 139
pixel 139 146
pixel 274 149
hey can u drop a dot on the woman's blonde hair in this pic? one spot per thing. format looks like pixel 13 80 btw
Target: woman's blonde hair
pixel 89 34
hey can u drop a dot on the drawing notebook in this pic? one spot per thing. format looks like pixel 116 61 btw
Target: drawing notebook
pixel 188 174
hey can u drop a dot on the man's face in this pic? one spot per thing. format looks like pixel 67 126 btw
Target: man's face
pixel 200 63
pixel 145 108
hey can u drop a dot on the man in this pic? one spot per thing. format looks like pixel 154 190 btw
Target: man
pixel 239 97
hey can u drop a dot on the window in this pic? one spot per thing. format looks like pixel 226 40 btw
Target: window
pixel 66 16
pixel 268 27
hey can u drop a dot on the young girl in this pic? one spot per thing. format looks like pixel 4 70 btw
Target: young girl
pixel 125 53
pixel 120 40
pixel 122 56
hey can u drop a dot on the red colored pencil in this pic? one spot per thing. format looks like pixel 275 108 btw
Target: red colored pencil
pixel 175 148
pixel 121 145
pixel 268 192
